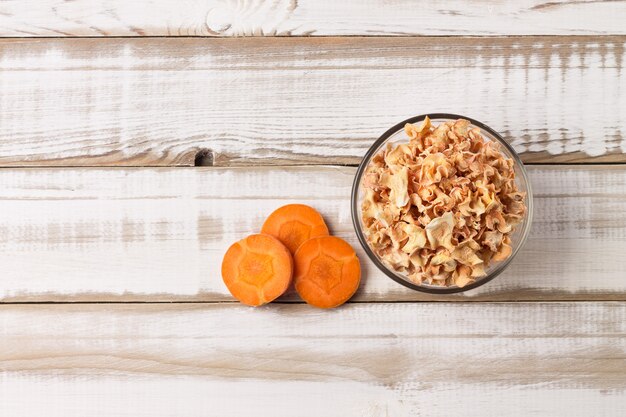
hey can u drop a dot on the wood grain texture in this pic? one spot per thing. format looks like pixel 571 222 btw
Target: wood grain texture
pixel 537 359
pixel 160 234
pixel 68 102
pixel 309 18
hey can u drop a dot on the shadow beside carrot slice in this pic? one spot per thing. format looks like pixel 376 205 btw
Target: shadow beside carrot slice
pixel 259 268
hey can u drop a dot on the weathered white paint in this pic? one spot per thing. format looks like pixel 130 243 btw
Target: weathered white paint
pixel 160 234
pixel 298 101
pixel 308 17
pixel 172 396
pixel 561 359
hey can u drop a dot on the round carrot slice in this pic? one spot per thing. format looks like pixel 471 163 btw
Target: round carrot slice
pixel 294 224
pixel 257 269
pixel 327 271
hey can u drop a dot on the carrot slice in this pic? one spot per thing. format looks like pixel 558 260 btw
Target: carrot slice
pixel 294 224
pixel 257 269
pixel 327 271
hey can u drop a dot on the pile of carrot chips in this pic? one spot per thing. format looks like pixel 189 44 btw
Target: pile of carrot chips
pixel 441 208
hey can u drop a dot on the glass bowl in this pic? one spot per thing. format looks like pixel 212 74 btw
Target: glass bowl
pixel 396 135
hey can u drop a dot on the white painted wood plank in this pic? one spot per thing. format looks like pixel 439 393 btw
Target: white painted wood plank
pixel 308 17
pixel 536 359
pixel 301 101
pixel 160 234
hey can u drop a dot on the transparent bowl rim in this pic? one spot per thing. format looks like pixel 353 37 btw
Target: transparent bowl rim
pixel 431 289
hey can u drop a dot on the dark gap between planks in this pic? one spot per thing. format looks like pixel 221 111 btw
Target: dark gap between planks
pixel 297 302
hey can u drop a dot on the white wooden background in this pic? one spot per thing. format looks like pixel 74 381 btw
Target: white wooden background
pixel 111 302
